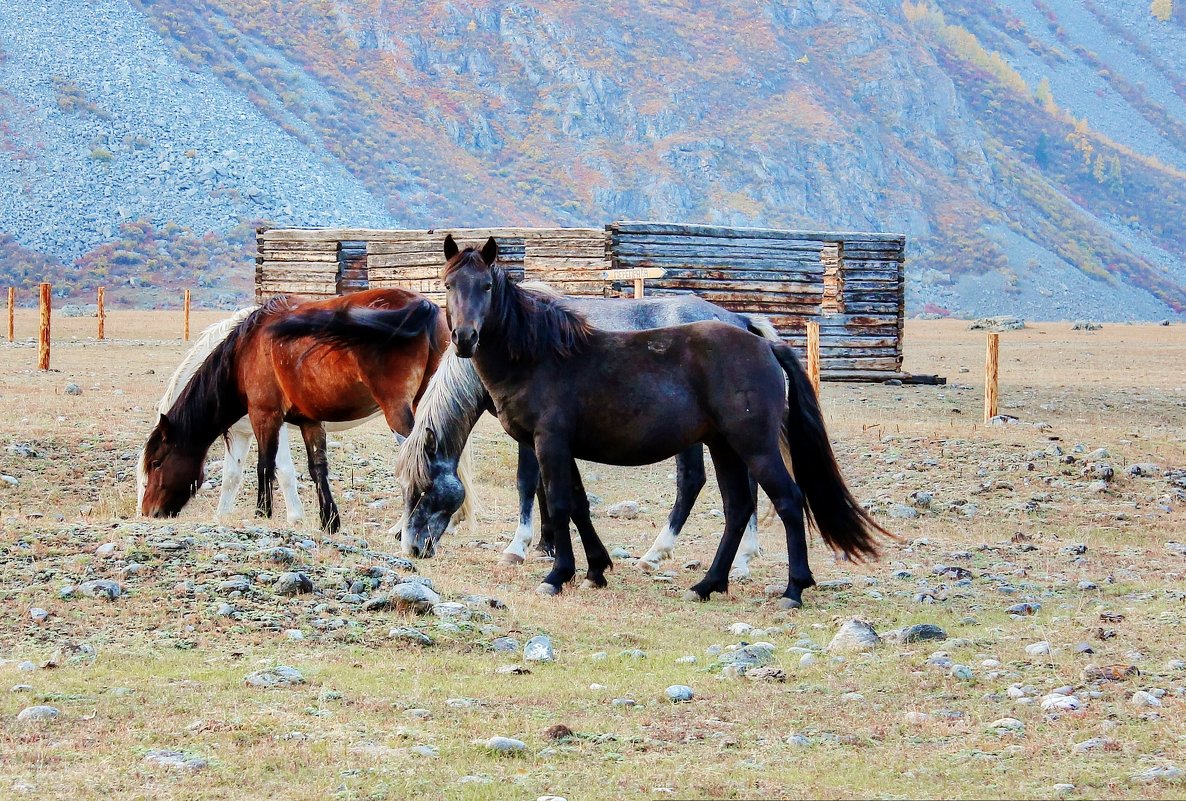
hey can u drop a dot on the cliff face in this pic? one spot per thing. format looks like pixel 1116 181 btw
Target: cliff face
pixel 1033 151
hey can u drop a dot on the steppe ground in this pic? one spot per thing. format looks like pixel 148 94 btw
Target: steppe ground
pixel 1009 521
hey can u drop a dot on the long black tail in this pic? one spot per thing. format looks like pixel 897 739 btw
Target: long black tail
pixel 841 520
pixel 362 326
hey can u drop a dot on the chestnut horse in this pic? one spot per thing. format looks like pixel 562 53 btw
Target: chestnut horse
pixel 627 398
pixel 261 371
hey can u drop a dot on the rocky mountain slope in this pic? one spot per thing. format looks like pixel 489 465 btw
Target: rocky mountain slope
pixel 1033 151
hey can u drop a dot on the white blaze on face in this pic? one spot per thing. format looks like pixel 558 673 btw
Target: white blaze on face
pixel 141 482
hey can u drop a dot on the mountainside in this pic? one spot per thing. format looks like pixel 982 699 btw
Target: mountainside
pixel 1033 151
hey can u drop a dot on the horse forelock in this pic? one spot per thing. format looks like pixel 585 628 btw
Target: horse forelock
pixel 453 399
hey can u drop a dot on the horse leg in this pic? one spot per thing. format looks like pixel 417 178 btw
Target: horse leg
pixel 527 478
pixel 237 445
pixel 739 507
pixel 314 435
pixel 547 532
pixel 555 463
pixel 689 480
pixel 774 478
pixel 749 542
pixel 267 436
pixel 286 474
pixel 596 555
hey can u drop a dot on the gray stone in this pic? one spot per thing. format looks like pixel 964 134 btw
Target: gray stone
pixel 749 656
pixel 279 676
pixel 73 389
pixel 625 510
pixel 101 588
pixel 1038 649
pixel 1168 774
pixel 677 693
pixel 505 645
pixel 293 584
pixel 921 632
pixel 853 637
pixel 224 610
pixel 175 759
pixel 234 584
pixel 539 649
pixel 1086 325
pixel 903 512
pixel 409 634
pixel 620 553
pixel 38 714
pixel 506 745
pixel 414 597
pixel 38 615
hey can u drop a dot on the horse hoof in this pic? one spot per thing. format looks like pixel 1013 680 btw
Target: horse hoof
pixel 738 574
pixel 647 567
pixel 590 584
pixel 547 589
pixel 789 603
pixel 692 595
pixel 511 560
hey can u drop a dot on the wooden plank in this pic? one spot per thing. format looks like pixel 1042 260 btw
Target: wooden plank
pixel 690 246
pixel 644 227
pixel 805 289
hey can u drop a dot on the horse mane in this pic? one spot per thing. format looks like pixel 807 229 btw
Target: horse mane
pixel 204 403
pixel 454 398
pixel 531 322
pixel 207 340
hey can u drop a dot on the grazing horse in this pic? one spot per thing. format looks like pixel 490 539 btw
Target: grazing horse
pixel 272 376
pixel 456 399
pixel 573 392
pixel 238 436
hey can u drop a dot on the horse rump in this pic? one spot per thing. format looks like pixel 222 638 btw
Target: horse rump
pixel 361 326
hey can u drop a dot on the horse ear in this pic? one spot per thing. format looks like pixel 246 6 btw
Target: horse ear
pixel 163 425
pixel 451 249
pixel 490 251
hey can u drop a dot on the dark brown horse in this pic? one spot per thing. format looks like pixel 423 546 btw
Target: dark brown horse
pixel 574 392
pixel 262 371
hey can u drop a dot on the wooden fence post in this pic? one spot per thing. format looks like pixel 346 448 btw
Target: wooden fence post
pixel 991 373
pixel 43 330
pixel 11 313
pixel 102 312
pixel 813 355
pixel 187 315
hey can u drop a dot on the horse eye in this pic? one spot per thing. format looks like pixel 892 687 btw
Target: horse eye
pixel 487 287
pixel 155 464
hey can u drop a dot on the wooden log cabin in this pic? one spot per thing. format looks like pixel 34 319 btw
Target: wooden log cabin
pixel 852 284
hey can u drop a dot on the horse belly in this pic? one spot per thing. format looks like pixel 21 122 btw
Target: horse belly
pixel 329 390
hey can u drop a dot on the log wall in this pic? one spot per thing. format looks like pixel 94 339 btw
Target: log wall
pixel 852 284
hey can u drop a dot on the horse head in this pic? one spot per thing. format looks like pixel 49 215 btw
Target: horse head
pixel 433 507
pixel 468 288
pixel 169 473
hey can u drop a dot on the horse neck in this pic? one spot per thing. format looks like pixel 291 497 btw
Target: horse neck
pixel 211 401
pixel 207 341
pixel 450 408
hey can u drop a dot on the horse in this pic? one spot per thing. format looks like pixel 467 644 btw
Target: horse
pixel 238 436
pixel 273 377
pixel 571 392
pixel 455 400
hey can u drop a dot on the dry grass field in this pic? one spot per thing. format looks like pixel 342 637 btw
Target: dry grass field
pixel 1016 514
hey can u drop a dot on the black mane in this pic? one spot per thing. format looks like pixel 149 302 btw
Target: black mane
pixel 531 324
pixel 209 404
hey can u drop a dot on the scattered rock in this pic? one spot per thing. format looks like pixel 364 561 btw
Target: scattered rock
pixel 1038 649
pixel 1159 773
pixel 539 649
pixel 769 673
pixel 279 676
pixel 38 714
pixel 506 745
pixel 38 615
pixel 677 693
pixel 414 597
pixel 1109 673
pixel 1142 698
pixel 175 759
pixel 409 634
pixel 293 584
pixel 1007 725
pixel 505 645
pixel 854 636
pixel 73 389
pixel 101 588
pixel 625 510
pixel 919 632
pixel 1086 325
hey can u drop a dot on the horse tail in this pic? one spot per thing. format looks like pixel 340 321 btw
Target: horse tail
pixel 362 326
pixel 843 523
pixel 760 324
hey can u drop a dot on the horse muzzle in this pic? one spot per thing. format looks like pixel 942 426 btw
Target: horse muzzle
pixel 465 340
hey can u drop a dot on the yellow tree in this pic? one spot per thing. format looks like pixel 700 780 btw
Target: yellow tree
pixel 1162 9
